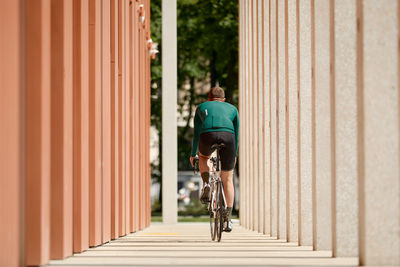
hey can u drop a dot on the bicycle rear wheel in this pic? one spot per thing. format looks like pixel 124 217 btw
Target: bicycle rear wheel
pixel 212 228
pixel 219 221
pixel 212 210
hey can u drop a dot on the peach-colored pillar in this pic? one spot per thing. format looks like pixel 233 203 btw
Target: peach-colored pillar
pixel 121 86
pixel 114 121
pixel 61 130
pixel 148 121
pixel 37 130
pixel 81 125
pixel 133 114
pixel 137 114
pixel 106 122
pixel 129 117
pixel 95 182
pixel 11 135
pixel 127 56
pixel 148 99
pixel 141 104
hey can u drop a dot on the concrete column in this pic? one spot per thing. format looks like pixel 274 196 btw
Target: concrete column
pixel 254 121
pixel 281 115
pixel 293 143
pixel 273 114
pixel 247 118
pixel 322 91
pixel 61 129
pixel 12 119
pixel 379 129
pixel 306 232
pixel 114 120
pixel 169 102
pixel 95 182
pixel 260 115
pixel 345 116
pixel 37 129
pixel 250 102
pixel 241 107
pixel 81 125
pixel 266 118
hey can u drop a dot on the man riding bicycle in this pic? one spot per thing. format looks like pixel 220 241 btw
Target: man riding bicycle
pixel 217 122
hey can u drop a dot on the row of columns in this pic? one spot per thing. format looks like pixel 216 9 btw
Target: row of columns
pixel 75 120
pixel 320 106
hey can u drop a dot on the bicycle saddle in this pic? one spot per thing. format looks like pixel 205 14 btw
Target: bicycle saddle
pixel 217 146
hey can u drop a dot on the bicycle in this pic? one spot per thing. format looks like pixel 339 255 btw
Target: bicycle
pixel 217 203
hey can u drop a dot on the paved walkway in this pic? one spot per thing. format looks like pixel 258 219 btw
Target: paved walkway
pixel 189 244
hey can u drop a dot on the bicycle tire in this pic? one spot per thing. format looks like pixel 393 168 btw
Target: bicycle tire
pixel 213 230
pixel 219 222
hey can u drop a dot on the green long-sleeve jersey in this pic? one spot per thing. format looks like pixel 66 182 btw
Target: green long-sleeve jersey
pixel 213 116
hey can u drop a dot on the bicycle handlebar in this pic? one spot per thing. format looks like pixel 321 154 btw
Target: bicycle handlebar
pixel 195 165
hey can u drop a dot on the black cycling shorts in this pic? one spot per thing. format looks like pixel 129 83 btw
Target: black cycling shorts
pixel 227 153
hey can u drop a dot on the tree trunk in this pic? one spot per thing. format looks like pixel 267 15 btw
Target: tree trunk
pixel 213 70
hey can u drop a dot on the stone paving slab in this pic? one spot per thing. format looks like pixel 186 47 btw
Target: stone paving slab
pixel 189 244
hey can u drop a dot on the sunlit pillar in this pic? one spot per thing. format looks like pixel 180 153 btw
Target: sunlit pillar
pixel 273 133
pixel 345 233
pixel 281 116
pixel 169 112
pixel 379 132
pixel 254 145
pixel 266 119
pixel 260 117
pixel 322 90
pixel 306 233
pixel 293 126
pixel 247 207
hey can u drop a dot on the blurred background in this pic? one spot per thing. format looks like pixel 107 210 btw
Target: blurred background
pixel 207 56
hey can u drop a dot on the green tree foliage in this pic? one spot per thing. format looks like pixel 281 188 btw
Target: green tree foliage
pixel 207 49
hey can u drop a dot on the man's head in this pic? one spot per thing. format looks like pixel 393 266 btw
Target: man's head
pixel 216 94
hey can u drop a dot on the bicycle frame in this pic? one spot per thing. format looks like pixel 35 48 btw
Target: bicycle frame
pixel 215 178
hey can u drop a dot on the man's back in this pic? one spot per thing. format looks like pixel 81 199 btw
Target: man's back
pixel 216 116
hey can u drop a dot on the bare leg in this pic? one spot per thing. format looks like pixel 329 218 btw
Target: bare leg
pixel 227 180
pixel 203 163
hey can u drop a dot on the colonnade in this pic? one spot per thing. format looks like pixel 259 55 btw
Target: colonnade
pixel 75 125
pixel 319 137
